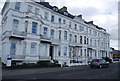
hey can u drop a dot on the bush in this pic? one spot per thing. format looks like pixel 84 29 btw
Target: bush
pixel 48 64
pixel 107 59
pixel 28 64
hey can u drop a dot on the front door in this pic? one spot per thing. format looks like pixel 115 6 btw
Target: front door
pixel 51 52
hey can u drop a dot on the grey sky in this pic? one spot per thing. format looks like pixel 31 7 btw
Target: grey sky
pixel 104 13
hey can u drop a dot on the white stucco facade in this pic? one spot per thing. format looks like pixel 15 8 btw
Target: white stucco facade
pixel 32 32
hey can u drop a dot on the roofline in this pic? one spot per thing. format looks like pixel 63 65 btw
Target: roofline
pixel 72 16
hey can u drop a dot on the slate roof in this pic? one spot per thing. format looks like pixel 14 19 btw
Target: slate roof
pixel 46 4
pixel 115 51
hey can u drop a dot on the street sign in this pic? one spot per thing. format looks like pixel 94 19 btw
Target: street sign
pixel 74 52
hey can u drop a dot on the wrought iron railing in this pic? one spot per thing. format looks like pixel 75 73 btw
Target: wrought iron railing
pixel 18 33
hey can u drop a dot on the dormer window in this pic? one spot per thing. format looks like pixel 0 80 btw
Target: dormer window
pixel 55 9
pixel 65 13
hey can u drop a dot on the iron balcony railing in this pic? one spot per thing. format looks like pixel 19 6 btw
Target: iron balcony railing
pixel 17 57
pixel 23 57
pixel 17 34
pixel 45 37
pixel 56 41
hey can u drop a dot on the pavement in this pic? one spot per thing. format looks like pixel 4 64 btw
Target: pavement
pixel 12 72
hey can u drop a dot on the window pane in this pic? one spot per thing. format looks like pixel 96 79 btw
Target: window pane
pixel 36 11
pixel 87 41
pixel 33 48
pixel 52 18
pixel 52 34
pixel 59 51
pixel 29 8
pixel 34 28
pixel 46 15
pixel 65 35
pixel 65 51
pixel 75 38
pixel 26 26
pixel 64 22
pixel 85 52
pixel 84 39
pixel 59 21
pixel 70 37
pixel 69 24
pixel 13 49
pixel 45 31
pixel 70 51
pixel 24 48
pixel 81 52
pixel 17 5
pixel 59 34
pixel 80 39
pixel 81 28
pixel 15 24
pixel 75 26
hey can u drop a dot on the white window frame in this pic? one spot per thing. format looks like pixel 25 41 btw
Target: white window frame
pixel 37 10
pixel 29 8
pixel 33 48
pixel 46 15
pixel 24 47
pixel 13 48
pixel 45 31
pixel 52 33
pixel 17 6
pixel 15 24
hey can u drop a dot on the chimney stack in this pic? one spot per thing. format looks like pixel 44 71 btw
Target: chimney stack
pixel 91 22
pixel 64 8
pixel 80 16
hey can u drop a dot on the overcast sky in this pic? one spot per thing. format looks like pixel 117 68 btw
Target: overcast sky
pixel 103 13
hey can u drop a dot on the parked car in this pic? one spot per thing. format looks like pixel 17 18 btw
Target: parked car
pixel 98 63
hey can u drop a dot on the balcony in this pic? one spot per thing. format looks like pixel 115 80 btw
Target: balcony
pixel 17 57
pixel 17 35
pixel 29 57
pixel 45 39
pixel 56 41
pixel 33 16
pixel 62 25
pixel 73 43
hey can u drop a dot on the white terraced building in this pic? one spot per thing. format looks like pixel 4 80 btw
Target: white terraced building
pixel 36 31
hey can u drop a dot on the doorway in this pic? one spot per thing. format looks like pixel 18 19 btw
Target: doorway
pixel 51 52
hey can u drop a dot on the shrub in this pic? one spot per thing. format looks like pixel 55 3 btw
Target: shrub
pixel 107 59
pixel 48 64
pixel 28 64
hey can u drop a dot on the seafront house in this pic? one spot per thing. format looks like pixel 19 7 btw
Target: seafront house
pixel 37 31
